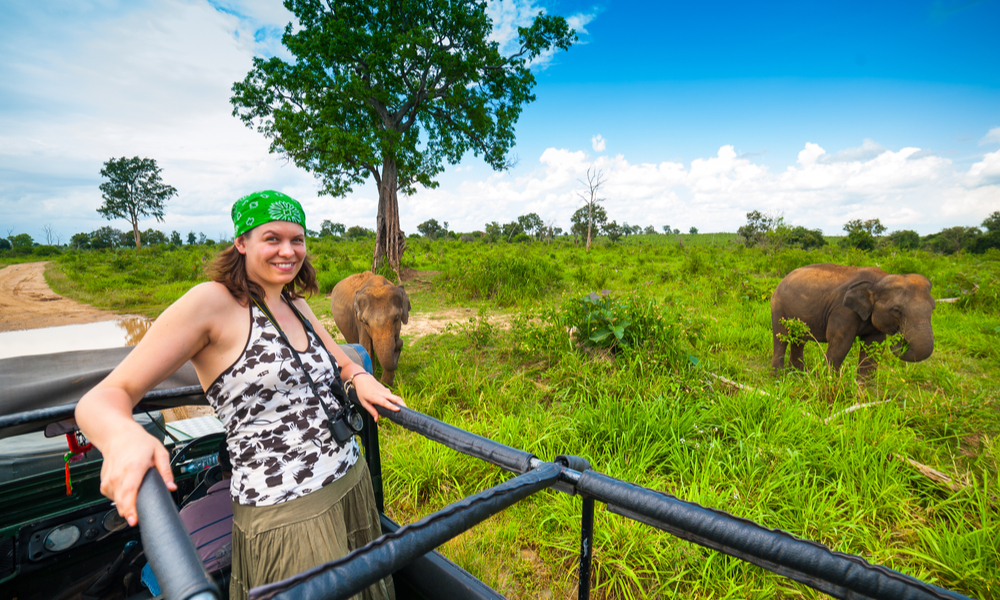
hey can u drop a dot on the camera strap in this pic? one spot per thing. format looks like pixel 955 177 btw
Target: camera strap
pixel 334 389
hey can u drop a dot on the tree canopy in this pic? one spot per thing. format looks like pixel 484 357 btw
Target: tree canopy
pixel 133 190
pixel 390 90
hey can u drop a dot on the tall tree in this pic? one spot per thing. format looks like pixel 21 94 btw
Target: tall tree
pixel 391 89
pixel 133 190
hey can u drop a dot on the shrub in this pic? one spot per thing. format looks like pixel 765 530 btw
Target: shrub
pixel 504 278
pixel 805 238
pixel 601 321
pixel 906 239
pixel 45 251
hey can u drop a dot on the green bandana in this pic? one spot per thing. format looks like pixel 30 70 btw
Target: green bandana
pixel 263 207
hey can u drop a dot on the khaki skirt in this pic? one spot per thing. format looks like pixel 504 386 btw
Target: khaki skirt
pixel 272 543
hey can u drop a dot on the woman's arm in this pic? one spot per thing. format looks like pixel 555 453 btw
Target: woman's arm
pixel 104 414
pixel 370 390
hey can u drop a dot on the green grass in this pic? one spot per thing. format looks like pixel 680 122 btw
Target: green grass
pixel 662 420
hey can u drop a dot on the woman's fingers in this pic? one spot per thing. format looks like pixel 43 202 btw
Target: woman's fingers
pixel 162 461
pixel 125 496
pixel 125 465
pixel 371 393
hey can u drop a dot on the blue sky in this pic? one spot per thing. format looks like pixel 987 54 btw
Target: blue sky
pixel 697 113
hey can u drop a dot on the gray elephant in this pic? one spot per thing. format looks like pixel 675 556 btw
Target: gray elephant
pixel 369 310
pixel 840 303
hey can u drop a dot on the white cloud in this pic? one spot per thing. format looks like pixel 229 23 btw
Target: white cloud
pixel 866 151
pixel 508 15
pixel 146 79
pixel 992 137
pixel 985 172
pixel 597 143
pixel 905 189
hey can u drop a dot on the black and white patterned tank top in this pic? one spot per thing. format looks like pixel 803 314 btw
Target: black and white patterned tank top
pixel 276 430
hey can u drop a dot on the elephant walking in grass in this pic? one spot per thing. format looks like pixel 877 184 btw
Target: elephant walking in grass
pixel 839 304
pixel 369 310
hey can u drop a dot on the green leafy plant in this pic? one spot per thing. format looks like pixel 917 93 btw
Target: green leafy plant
pixel 603 322
pixel 798 331
pixel 599 320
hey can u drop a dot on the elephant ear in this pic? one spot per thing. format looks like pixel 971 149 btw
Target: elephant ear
pixel 361 304
pixel 406 305
pixel 859 298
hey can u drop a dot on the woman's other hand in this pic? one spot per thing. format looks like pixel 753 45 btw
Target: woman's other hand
pixel 126 459
pixel 372 393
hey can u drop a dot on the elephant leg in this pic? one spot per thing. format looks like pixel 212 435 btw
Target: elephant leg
pixel 866 363
pixel 837 350
pixel 796 359
pixel 778 358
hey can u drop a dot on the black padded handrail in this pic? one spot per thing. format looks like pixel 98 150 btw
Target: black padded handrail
pixel 177 566
pixel 66 411
pixel 834 573
pixel 503 456
pixel 351 574
pixel 837 574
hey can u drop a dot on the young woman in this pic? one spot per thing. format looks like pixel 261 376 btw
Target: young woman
pixel 300 499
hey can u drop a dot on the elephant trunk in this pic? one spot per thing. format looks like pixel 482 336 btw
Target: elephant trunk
pixel 919 343
pixel 387 349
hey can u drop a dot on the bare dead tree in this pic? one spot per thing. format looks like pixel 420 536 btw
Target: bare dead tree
pixel 595 179
pixel 49 234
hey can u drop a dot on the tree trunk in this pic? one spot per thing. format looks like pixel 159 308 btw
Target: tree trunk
pixel 135 230
pixel 389 241
pixel 590 221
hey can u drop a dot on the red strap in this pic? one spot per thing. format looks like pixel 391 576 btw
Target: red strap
pixel 74 449
pixel 74 445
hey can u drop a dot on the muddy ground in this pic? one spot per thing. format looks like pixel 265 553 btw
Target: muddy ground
pixel 27 302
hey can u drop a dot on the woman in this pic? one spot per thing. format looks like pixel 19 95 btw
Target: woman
pixel 299 498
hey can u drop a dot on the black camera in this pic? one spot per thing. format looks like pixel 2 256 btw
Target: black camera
pixel 345 423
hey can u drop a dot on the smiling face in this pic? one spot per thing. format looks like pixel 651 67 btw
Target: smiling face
pixel 274 253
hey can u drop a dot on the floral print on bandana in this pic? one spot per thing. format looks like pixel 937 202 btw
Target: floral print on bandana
pixel 284 211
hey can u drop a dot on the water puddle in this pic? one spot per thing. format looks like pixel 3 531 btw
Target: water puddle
pixel 90 336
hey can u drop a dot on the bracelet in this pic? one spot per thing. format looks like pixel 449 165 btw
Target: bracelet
pixel 350 380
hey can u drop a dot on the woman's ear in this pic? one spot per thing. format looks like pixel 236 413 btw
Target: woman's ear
pixel 241 244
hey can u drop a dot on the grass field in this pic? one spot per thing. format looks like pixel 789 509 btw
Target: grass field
pixel 781 451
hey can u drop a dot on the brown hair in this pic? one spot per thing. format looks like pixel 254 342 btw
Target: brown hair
pixel 230 269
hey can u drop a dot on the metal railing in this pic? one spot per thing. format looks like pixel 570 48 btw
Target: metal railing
pixel 834 573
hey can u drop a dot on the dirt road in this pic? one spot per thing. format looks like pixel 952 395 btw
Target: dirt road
pixel 27 302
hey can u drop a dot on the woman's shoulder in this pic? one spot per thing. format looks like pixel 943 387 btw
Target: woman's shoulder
pixel 209 296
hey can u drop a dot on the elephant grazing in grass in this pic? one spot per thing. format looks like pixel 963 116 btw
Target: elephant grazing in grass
pixel 839 304
pixel 369 310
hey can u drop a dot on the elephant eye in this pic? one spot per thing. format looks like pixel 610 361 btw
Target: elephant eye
pixel 895 311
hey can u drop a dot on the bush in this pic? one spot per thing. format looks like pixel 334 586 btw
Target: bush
pixel 954 239
pixel 504 278
pixel 805 238
pixel 601 321
pixel 46 251
pixel 905 240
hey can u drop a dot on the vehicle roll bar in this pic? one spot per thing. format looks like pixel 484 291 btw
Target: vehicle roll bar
pixel 169 550
pixel 364 566
pixel 834 573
